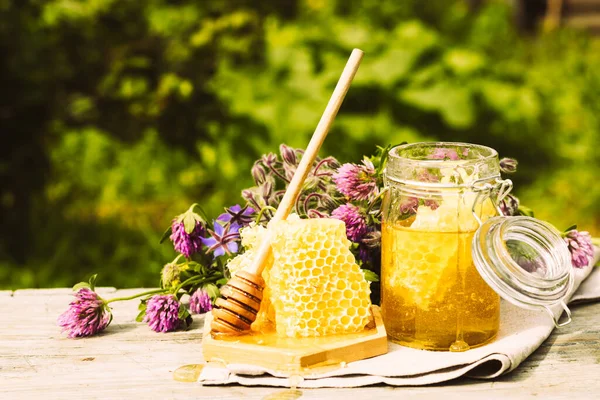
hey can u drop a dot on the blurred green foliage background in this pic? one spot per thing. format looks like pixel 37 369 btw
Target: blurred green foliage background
pixel 116 115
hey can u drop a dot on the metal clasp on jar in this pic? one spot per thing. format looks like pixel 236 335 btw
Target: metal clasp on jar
pixel 496 191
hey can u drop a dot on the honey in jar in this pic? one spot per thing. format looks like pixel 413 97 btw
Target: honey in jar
pixel 434 297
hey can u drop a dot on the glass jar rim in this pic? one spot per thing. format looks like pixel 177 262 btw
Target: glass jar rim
pixel 408 163
pixel 400 153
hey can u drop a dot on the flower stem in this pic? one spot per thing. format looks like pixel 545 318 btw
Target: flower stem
pixel 282 177
pixel 262 210
pixel 375 200
pixel 196 279
pixel 154 291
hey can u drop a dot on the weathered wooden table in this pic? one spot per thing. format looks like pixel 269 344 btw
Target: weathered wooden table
pixel 128 360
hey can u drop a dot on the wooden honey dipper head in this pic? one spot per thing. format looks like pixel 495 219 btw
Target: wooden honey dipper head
pixel 238 305
pixel 235 311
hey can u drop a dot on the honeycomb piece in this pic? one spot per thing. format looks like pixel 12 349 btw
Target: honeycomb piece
pixel 454 214
pixel 315 286
pixel 419 260
pixel 427 253
pixel 251 237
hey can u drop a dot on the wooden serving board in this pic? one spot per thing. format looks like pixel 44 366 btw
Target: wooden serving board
pixel 294 355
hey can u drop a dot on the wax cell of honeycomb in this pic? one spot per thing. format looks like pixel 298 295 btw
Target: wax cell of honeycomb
pixel 316 287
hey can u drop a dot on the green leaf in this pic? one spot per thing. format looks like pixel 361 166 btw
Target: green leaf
pixel 511 101
pixel 141 315
pixel 221 282
pixel 81 285
pixel 183 312
pixel 189 223
pixel 571 228
pixel 526 211
pixel 166 234
pixel 464 62
pixel 92 281
pixel 186 88
pixel 194 266
pixel 212 290
pixel 142 305
pixel 520 251
pixel 202 217
pixel 452 100
pixel 370 276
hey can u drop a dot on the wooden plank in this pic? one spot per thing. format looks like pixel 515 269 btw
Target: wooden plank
pixel 58 291
pixel 580 6
pixel 131 361
pixel 294 355
pixel 590 23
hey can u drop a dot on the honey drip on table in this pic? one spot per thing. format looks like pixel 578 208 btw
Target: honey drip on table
pixel 188 373
pixel 288 394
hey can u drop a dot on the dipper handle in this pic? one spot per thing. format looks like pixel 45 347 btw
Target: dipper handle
pixel 309 156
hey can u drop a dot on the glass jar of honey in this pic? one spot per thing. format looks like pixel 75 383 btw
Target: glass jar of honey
pixel 434 294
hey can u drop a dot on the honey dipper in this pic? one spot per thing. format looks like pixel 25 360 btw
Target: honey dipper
pixel 240 299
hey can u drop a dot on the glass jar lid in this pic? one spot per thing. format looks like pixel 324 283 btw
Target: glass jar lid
pixel 526 262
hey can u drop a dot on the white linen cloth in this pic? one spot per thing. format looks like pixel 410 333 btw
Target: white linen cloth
pixel 521 333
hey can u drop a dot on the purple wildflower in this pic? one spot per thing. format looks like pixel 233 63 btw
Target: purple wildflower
pixel 288 154
pixel 222 239
pixel 580 246
pixel 372 240
pixel 200 302
pixel 441 153
pixel 409 205
pixel 258 173
pixel 426 176
pixel 431 204
pixel 364 254
pixel 269 159
pixel 356 225
pixel 237 215
pixel 508 165
pixel 509 205
pixel 358 182
pixel 532 265
pixel 162 313
pixel 186 243
pixel 87 315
